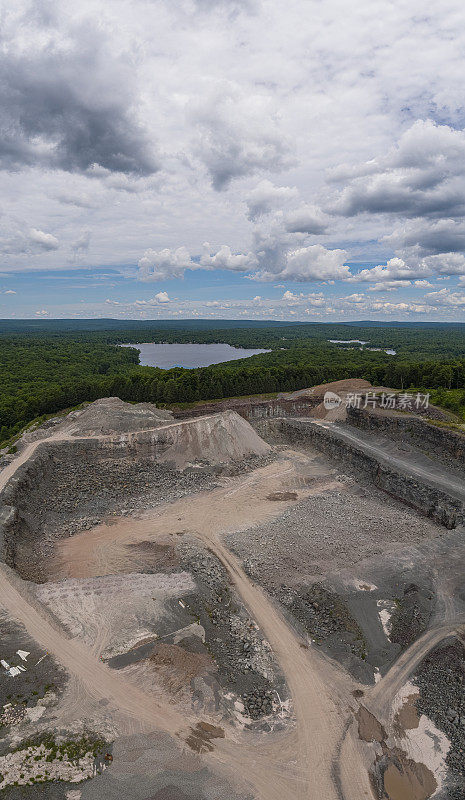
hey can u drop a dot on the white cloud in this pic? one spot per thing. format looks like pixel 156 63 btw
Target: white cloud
pixel 312 263
pixel 306 219
pixel 266 196
pixel 162 264
pixel 162 297
pixel 391 286
pixel 225 259
pixel 421 176
pixel 238 133
pixel 46 241
pixel 128 137
pixel 445 297
pixel 395 270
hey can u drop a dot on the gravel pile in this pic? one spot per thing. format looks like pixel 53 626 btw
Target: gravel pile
pixel 411 615
pixel 324 616
pixel 441 681
pixel 258 703
pixel 327 531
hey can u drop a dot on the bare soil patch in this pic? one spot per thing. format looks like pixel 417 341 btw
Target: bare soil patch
pixel 154 554
pixel 202 735
pixel 369 728
pixel 405 779
pixel 177 667
pixel 407 717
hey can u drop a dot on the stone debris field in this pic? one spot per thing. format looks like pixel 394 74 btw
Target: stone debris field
pixel 233 607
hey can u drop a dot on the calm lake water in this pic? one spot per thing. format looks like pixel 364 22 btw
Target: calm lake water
pixel 166 356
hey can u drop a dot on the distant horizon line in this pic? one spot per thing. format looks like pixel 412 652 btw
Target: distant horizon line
pixel 242 321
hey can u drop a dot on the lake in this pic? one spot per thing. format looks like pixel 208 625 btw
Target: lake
pixel 167 356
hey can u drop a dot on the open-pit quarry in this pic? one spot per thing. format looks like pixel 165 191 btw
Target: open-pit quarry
pixel 260 602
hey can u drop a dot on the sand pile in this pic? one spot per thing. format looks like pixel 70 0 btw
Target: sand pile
pixel 339 387
pixel 112 415
pixel 217 439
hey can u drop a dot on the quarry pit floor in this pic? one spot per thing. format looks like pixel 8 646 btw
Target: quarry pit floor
pixel 255 517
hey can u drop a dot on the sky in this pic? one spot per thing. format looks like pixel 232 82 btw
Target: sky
pixel 233 159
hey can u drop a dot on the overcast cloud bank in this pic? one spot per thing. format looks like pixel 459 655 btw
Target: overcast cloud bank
pixel 306 144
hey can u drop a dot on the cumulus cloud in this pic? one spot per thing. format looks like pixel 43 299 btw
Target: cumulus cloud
pixel 231 6
pixel 162 297
pixel 306 219
pixel 266 197
pixel 426 237
pixel 446 263
pixel 237 134
pixel 81 244
pixel 397 273
pixel 392 286
pixel 229 96
pixel 446 297
pixel 312 263
pixel 78 199
pixel 162 264
pixel 225 259
pixel 45 241
pixel 423 175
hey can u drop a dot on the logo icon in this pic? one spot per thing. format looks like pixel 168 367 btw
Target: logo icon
pixel 331 400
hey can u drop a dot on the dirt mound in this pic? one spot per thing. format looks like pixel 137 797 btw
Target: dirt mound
pixel 112 415
pixel 339 387
pixel 177 667
pixel 218 439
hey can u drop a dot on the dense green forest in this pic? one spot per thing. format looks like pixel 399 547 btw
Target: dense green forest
pixel 47 366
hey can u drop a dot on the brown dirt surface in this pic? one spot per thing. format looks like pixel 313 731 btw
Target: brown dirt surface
pixel 177 667
pixel 369 729
pixel 405 779
pixel 407 717
pixel 239 505
pixel 153 554
pixel 301 764
pixel 339 387
pixel 201 736
pixel 172 793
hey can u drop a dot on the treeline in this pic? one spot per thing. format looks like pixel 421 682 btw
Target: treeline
pixel 45 372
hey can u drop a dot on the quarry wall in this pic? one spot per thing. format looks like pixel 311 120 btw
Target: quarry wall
pixel 168 458
pixel 432 502
pixel 439 442
pixel 253 410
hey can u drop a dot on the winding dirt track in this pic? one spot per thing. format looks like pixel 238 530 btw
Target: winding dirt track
pixel 319 760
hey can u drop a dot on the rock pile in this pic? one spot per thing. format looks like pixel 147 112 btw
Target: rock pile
pixel 243 657
pixel 441 681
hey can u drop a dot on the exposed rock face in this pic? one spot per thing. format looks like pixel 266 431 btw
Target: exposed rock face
pixel 95 476
pixel 442 443
pixel 435 503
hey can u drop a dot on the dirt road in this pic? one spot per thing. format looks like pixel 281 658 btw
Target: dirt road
pixel 308 764
pixel 380 698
